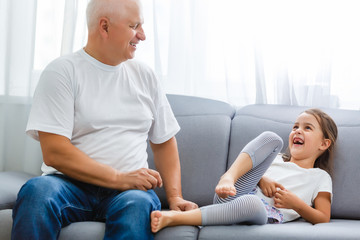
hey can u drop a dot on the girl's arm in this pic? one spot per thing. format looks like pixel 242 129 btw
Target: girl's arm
pixel 320 213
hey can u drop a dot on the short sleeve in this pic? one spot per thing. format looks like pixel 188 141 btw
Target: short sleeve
pixel 324 184
pixel 165 125
pixel 53 106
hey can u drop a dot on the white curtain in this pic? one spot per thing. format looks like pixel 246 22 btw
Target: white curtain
pixel 242 52
pixel 17 20
pixel 34 33
pixel 279 51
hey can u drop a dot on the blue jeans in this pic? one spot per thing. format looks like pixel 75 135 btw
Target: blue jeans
pixel 46 204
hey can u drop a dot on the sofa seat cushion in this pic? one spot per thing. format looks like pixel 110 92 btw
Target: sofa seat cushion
pixel 5 224
pixel 335 230
pixel 83 231
pixel 178 233
pixel 96 231
pixel 11 183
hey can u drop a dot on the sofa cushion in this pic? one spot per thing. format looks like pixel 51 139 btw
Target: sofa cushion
pixel 96 230
pixel 83 231
pixel 203 146
pixel 335 230
pixel 178 233
pixel 5 224
pixel 11 183
pixel 193 106
pixel 251 120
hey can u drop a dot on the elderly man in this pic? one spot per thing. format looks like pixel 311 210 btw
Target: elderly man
pixel 93 112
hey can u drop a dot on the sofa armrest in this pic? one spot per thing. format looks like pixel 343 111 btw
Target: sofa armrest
pixel 10 184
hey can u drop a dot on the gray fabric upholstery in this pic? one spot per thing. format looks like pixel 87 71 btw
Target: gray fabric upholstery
pixel 178 233
pixel 96 231
pixel 335 230
pixel 11 183
pixel 83 230
pixel 5 224
pixel 194 106
pixel 212 134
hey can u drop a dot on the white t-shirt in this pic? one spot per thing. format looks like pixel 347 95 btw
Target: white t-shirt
pixel 108 112
pixel 305 183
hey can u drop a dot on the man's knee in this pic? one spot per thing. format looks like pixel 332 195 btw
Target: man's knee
pixel 39 187
pixel 141 200
pixel 129 207
pixel 38 193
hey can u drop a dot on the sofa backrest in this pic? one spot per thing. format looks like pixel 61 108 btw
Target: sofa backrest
pixel 251 120
pixel 203 145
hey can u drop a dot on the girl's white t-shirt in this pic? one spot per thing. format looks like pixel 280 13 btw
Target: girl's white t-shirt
pixel 108 112
pixel 305 183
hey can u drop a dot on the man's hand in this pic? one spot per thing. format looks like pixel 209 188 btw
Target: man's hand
pixel 269 187
pixel 179 204
pixel 141 179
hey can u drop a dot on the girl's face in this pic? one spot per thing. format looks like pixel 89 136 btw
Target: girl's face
pixel 306 140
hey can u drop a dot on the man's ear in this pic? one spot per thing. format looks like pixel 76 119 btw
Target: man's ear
pixel 325 144
pixel 104 26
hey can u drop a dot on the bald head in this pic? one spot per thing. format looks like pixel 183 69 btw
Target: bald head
pixel 115 29
pixel 112 9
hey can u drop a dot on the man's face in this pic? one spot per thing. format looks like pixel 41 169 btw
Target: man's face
pixel 126 31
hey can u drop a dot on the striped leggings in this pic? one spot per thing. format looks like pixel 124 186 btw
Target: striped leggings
pixel 244 207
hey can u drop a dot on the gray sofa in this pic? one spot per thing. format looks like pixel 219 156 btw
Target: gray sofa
pixel 212 134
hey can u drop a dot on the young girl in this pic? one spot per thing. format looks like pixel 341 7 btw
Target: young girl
pixel 294 185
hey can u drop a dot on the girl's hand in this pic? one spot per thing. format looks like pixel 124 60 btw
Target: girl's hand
pixel 285 199
pixel 225 187
pixel 320 213
pixel 269 187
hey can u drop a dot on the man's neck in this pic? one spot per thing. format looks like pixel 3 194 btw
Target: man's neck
pixel 91 49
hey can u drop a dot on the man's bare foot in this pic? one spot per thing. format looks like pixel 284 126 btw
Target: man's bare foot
pixel 159 220
pixel 225 188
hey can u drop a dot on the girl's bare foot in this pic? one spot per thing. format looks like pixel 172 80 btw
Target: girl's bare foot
pixel 225 188
pixel 159 220
pixel 162 219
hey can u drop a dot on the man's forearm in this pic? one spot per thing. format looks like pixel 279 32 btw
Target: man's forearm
pixel 166 158
pixel 59 153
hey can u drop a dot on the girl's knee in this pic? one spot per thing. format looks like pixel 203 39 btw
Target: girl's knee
pixel 255 200
pixel 257 210
pixel 264 148
pixel 269 136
